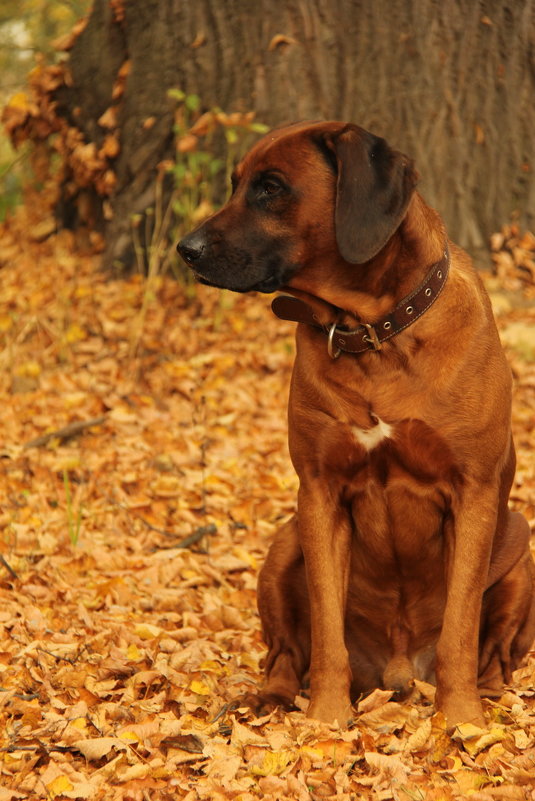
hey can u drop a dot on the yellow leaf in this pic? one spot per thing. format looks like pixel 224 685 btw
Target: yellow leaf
pixel 74 333
pixel 133 653
pixel 83 291
pixel 199 687
pixel 469 781
pixel 495 735
pixel 79 723
pixel 238 324
pixel 467 731
pixel 12 760
pixel 19 100
pixel 314 754
pixel 451 764
pixel 5 323
pixel 249 660
pixel 211 666
pixel 247 557
pixel 147 631
pixel 72 400
pixel 59 786
pixel 273 763
pixel 442 742
pixel 31 369
pixel 188 573
pixel 129 737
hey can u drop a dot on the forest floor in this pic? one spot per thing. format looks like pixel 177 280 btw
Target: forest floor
pixel 143 471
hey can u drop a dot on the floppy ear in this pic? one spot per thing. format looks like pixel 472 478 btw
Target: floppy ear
pixel 374 187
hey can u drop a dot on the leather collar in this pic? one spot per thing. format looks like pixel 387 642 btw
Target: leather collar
pixel 368 337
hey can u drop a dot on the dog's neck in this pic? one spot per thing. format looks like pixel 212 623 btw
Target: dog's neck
pixel 394 289
pixel 365 293
pixel 355 337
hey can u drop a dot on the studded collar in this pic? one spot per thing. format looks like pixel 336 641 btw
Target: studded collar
pixel 369 337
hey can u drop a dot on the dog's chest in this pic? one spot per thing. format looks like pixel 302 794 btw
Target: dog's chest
pixel 385 458
pixel 370 438
pixel 397 479
pixel 385 451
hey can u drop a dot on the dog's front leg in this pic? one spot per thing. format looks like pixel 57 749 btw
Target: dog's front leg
pixel 325 538
pixel 470 535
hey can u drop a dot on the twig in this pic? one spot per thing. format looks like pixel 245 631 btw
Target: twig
pixel 71 430
pixel 62 749
pixel 8 567
pixel 196 535
pixel 70 659
pixel 186 542
pixel 22 696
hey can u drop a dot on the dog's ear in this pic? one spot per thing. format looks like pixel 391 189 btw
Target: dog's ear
pixel 374 187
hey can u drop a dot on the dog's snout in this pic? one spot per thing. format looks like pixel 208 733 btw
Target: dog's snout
pixel 192 247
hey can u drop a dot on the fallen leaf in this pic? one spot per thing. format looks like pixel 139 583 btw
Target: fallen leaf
pixel 97 747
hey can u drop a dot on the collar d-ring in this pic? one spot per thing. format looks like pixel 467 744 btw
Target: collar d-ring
pixel 334 354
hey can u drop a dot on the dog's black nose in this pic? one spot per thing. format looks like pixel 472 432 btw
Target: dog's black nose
pixel 191 248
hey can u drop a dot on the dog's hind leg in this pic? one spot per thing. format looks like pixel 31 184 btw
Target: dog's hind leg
pixel 284 611
pixel 508 617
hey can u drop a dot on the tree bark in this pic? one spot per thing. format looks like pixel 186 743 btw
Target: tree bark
pixel 450 83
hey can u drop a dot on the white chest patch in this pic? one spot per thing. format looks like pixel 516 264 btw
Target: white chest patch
pixel 369 438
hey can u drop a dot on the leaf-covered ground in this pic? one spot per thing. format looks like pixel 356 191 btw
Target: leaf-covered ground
pixel 143 470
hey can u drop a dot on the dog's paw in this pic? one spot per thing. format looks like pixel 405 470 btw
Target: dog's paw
pixel 340 713
pixel 458 711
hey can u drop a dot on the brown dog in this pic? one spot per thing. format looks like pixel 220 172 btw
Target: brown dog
pixel 403 559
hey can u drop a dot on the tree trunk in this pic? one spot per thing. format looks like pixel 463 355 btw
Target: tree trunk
pixel 451 83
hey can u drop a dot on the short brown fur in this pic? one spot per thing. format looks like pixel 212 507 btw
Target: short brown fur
pixel 403 559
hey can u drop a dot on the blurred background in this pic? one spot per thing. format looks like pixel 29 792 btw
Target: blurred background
pixel 128 115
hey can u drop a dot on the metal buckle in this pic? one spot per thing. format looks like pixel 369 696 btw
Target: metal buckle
pixel 330 349
pixel 372 337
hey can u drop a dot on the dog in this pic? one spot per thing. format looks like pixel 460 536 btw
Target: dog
pixel 403 560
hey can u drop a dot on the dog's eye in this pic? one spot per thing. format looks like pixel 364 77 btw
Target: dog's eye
pixel 269 187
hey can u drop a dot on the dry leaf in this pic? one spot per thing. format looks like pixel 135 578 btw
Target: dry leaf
pixel 386 718
pixel 386 768
pixel 280 39
pixel 374 700
pixel 121 653
pixel 97 747
pixel 420 739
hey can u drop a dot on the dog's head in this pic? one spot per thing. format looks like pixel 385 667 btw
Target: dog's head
pixel 303 194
